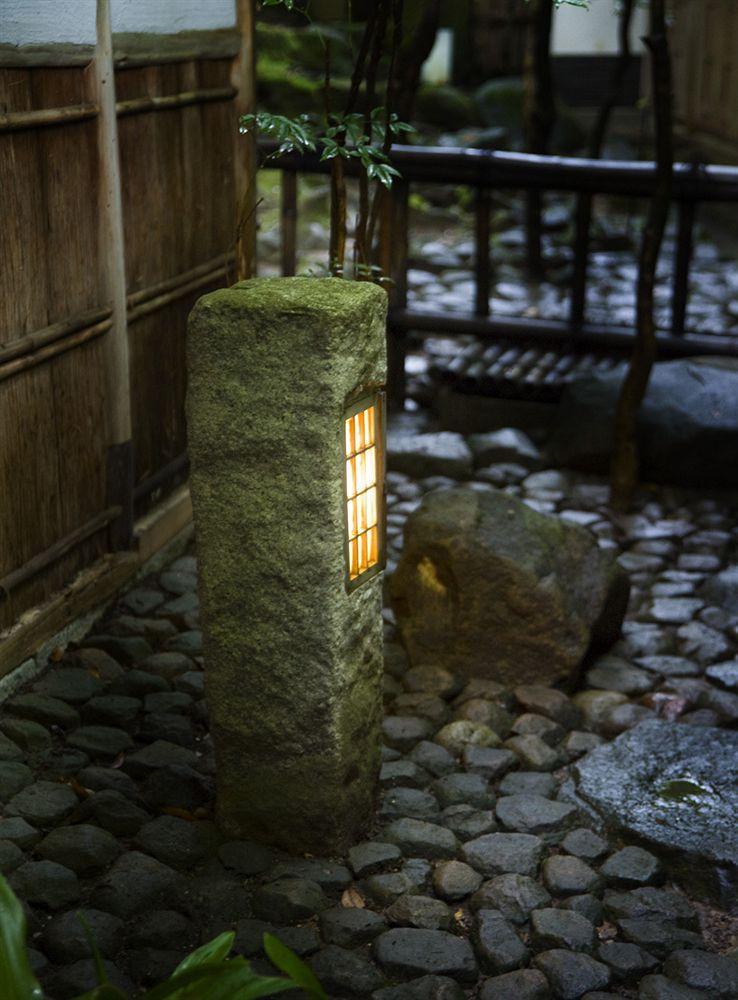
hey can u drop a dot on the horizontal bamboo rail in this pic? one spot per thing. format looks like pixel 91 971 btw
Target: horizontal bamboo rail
pixel 16 121
pixel 33 341
pixel 65 343
pixel 55 552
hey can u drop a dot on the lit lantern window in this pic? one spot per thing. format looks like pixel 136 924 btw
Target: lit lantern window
pixel 364 463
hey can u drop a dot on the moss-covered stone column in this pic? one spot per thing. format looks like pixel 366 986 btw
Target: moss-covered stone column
pixel 292 656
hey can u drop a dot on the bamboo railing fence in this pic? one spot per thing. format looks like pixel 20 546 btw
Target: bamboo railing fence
pixel 118 205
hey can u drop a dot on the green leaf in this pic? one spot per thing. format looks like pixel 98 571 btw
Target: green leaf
pixel 288 962
pixel 230 980
pixel 215 951
pixel 17 981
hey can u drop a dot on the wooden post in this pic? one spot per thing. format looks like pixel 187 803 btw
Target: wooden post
pixel 684 246
pixel 288 226
pixel 243 77
pixel 393 261
pixel 481 238
pixel 120 474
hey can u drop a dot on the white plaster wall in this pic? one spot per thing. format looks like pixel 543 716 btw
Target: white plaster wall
pixel 595 31
pixel 35 22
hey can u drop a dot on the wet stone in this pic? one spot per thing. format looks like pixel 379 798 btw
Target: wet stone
pixel 534 753
pixel 350 926
pixel 289 900
pixel 503 853
pixel 176 786
pixel 82 848
pixel 498 947
pixel 43 803
pixel 528 783
pixel 485 713
pixel 245 857
pixel 469 789
pixel 28 735
pixel 97 663
pixel 64 938
pixel 660 904
pixel 433 680
pixel 432 758
pixel 514 896
pixel 167 726
pixel 402 773
pixel 670 666
pixel 14 776
pixel 588 905
pixel 73 685
pixel 455 736
pixel 553 928
pixel 662 988
pixel 584 843
pixel 46 884
pixel 142 600
pixel 535 814
pixel 543 700
pixel 416 838
pixel 178 581
pixel 104 742
pixel 467 822
pixel 658 936
pixel 167 665
pixel 402 732
pixel 125 649
pixel 385 888
pixel 632 866
pixel 329 876
pixel 717 975
pixel 17 831
pixel 115 813
pixel 611 673
pixel 454 880
pixel 345 973
pixel 81 977
pixel 424 988
pixel 44 710
pixel 103 778
pixel 627 961
pixel 572 974
pixel 411 910
pixel 372 856
pixel 491 763
pixel 523 984
pixel 568 876
pixel 138 683
pixel 192 683
pixel 9 750
pixel 530 724
pixel 134 884
pixel 188 643
pixel 623 717
pixel 176 842
pixel 111 710
pixel 156 755
pixel 408 951
pixel 162 929
pixel 11 856
pixel 411 802
pixel 725 674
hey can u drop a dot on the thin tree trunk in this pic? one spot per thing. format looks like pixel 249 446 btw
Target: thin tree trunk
pixel 539 114
pixel 625 458
pixel 411 57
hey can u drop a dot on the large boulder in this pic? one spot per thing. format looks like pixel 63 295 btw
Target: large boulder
pixel 673 788
pixel 486 586
pixel 687 425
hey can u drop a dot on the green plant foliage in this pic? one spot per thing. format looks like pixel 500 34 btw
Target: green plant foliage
pixel 207 974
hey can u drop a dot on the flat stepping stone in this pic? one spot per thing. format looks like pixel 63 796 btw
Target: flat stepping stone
pixel 410 910
pixel 104 742
pixel 514 896
pixel 44 803
pixel 558 928
pixel 455 880
pixel 632 866
pixel 372 856
pixel 564 875
pixel 672 788
pixel 503 853
pixel 407 952
pixel 82 848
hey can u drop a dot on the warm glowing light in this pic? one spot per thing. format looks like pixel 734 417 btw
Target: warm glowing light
pixel 362 491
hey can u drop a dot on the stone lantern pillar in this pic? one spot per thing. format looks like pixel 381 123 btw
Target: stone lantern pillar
pixel 284 412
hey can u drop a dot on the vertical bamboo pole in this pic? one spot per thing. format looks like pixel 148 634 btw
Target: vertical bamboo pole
pixel 483 272
pixel 243 77
pixel 120 475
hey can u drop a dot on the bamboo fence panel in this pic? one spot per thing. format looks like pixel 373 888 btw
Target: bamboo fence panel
pixel 176 119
